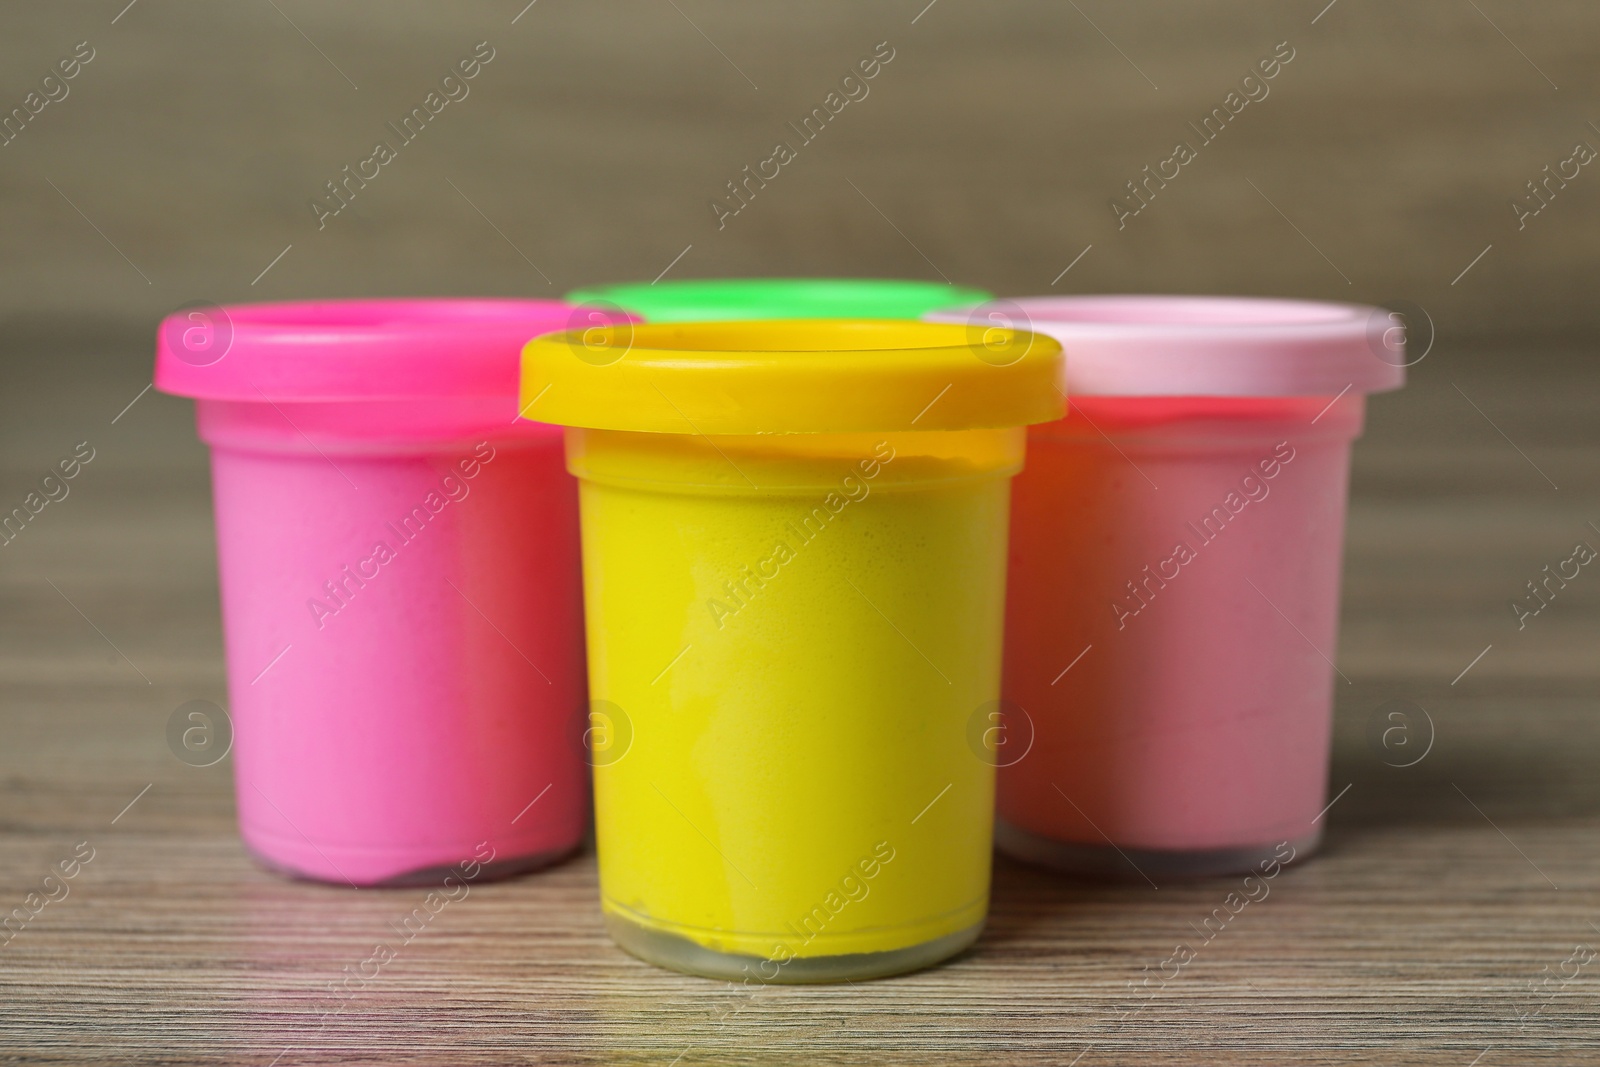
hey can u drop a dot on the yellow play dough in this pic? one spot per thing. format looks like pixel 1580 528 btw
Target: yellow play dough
pixel 794 542
pixel 791 635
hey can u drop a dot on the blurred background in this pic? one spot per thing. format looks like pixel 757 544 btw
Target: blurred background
pixel 1383 160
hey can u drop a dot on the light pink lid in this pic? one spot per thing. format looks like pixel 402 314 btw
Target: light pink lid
pixel 1208 346
pixel 356 349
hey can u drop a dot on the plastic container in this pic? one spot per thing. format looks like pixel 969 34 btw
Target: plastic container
pixel 400 585
pixel 794 557
pixel 1174 586
pixel 730 299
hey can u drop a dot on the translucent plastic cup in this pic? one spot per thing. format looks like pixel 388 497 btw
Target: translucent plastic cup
pixel 400 585
pixel 744 299
pixel 1174 589
pixel 794 557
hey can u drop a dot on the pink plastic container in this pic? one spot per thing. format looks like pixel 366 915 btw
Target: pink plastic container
pixel 1173 591
pixel 401 594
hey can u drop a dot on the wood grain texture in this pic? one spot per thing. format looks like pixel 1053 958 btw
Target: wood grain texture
pixel 1444 890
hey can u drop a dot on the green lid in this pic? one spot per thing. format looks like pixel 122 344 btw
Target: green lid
pixel 731 299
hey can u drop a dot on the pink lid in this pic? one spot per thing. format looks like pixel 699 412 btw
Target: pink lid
pixel 1206 345
pixel 356 349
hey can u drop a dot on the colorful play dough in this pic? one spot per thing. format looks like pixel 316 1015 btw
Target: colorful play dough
pixel 400 585
pixel 794 555
pixel 727 299
pixel 1173 596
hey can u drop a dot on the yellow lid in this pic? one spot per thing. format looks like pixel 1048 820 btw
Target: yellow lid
pixel 792 376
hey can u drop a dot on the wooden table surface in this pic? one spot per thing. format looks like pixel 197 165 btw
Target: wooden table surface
pixel 1436 927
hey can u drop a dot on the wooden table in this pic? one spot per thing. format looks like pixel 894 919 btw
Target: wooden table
pixel 1433 928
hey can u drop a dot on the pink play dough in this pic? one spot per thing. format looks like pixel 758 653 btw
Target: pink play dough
pixel 397 711
pixel 1176 542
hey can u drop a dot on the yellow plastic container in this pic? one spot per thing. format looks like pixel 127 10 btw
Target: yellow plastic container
pixel 794 539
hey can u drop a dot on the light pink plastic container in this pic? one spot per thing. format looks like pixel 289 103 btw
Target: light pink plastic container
pixel 1173 593
pixel 401 594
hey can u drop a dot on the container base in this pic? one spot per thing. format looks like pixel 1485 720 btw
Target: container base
pixel 1109 863
pixel 680 954
pixel 494 870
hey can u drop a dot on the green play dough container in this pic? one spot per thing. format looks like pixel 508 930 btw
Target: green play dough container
pixel 731 299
